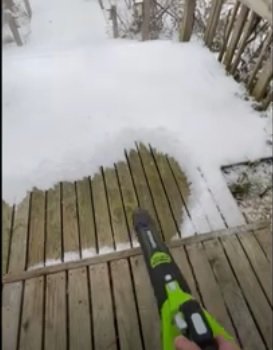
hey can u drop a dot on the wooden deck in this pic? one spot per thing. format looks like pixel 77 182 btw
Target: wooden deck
pixel 74 277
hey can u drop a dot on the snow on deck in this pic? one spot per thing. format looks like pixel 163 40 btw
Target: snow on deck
pixel 73 99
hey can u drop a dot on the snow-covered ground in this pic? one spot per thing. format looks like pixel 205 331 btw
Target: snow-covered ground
pixel 74 99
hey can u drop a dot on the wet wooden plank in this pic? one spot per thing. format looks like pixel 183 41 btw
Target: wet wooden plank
pixel 121 236
pixel 147 306
pixel 36 247
pixel 208 286
pixel 261 266
pixel 264 237
pixel 128 196
pixel 70 223
pixel 232 294
pixel 102 219
pixel 11 303
pixel 55 312
pixel 159 198
pixel 174 197
pixel 19 237
pixel 32 317
pixel 196 213
pixel 250 286
pixel 53 226
pixel 79 310
pixel 213 20
pixel 86 218
pixel 6 234
pixel 102 308
pixel 126 313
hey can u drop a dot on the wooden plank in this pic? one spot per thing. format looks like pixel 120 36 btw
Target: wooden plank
pixel 147 306
pixel 262 7
pixel 250 286
pixel 79 310
pixel 14 29
pixel 32 317
pixel 159 197
pixel 142 189
pixel 208 286
pixel 102 308
pixel 36 246
pixel 6 234
pixel 196 213
pixel 235 36
pixel 17 260
pixel 115 255
pixel 102 219
pixel 248 28
pixel 126 312
pixel 114 19
pixel 11 299
pixel 260 264
pixel 263 79
pixel 53 226
pixel 128 196
pixel 55 312
pixel 266 102
pixel 264 237
pixel 229 30
pixel 145 29
pixel 175 201
pixel 213 20
pixel 70 224
pixel 260 59
pixel 28 8
pixel 234 300
pixel 186 26
pixel 86 218
pixel 118 220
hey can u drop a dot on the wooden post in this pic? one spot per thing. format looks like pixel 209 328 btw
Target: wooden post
pixel 267 100
pixel 263 80
pixel 146 14
pixel 14 30
pixel 188 21
pixel 213 21
pixel 28 8
pixel 113 16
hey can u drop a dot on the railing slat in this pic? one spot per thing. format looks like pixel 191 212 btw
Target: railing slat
pixel 188 20
pixel 263 80
pixel 213 21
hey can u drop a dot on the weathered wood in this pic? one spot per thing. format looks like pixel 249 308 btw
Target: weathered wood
pixel 126 313
pixel 102 219
pixel 264 237
pixel 148 311
pixel 32 317
pixel 262 7
pixel 213 20
pixel 28 8
pixel 102 308
pixel 159 197
pixel 260 59
pixel 114 19
pixel 174 197
pixel 128 196
pixel 186 26
pixel 234 300
pixel 14 29
pixel 118 220
pixel 244 37
pixel 37 230
pixel 6 234
pixel 250 286
pixel 146 16
pixel 115 255
pixel 269 98
pixel 53 226
pixel 55 312
pixel 263 79
pixel 86 218
pixel 79 310
pixel 11 303
pixel 260 264
pixel 17 260
pixel 70 224
pixel 235 36
pixel 208 286
pixel 229 30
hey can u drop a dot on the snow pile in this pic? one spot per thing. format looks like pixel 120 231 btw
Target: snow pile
pixel 73 100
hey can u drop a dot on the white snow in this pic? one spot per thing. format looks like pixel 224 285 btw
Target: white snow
pixel 74 99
